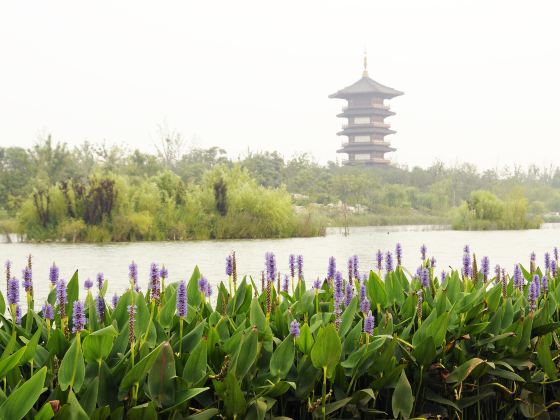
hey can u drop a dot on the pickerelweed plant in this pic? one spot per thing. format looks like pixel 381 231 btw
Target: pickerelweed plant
pixel 387 344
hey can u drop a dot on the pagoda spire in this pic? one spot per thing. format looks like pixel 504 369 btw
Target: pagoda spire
pixel 365 72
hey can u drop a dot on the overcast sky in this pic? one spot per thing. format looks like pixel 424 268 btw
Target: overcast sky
pixel 481 78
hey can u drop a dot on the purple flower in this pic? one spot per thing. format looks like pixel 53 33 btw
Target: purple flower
pixel 389 262
pixel 53 274
pixel 485 268
pixel 356 266
pixel 533 295
pixel 61 297
pixel 423 251
pixel 332 268
pixel 78 317
pixel 467 249
pixel 229 266
pixel 163 273
pixel 48 312
pixel 556 253
pixel 425 277
pixel 286 283
pixel 398 253
pixel 8 265
pixel 498 273
pixel 100 307
pixel 88 284
pixel 419 271
pixel 27 279
pixel 553 268
pixel 466 263
pixel 131 322
pixel 292 265
pixel 547 261
pixel 154 282
pixel 18 315
pixel 115 301
pixel 317 284
pixel 433 262
pixel 544 282
pixel 537 281
pixel 369 324
pixel 349 294
pixel 443 277
pixel 300 266
pixel 379 257
pixel 133 273
pixel 518 277
pixel 533 257
pixel 270 262
pixel 294 329
pixel 338 288
pixel 100 280
pixel 202 284
pixel 181 305
pixel 350 268
pixel 13 291
pixel 364 305
pixel 208 291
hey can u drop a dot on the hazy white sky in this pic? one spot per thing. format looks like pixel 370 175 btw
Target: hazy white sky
pixel 481 78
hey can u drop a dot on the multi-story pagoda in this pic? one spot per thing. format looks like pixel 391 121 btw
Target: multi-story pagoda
pixel 366 128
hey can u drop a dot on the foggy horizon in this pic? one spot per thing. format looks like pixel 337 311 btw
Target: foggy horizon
pixel 479 80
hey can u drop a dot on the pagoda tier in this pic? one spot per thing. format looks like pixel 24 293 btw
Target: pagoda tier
pixel 366 127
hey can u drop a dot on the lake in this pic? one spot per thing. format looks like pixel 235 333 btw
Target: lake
pixel 502 247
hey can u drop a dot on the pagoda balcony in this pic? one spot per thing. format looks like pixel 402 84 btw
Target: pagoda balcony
pixel 367 125
pixel 381 106
pixel 369 106
pixel 376 142
pixel 371 161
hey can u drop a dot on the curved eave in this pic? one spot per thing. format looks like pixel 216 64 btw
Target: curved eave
pixel 343 95
pixel 365 131
pixel 366 148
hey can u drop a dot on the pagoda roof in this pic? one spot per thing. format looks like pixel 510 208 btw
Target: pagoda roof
pixel 366 85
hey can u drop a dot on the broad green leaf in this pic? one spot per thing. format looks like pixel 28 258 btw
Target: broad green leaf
pixel 348 317
pixel 305 340
pixel 195 368
pixel 10 362
pixel 72 369
pixel 160 378
pixel 462 372
pixel 232 395
pixel 185 396
pixel 193 294
pixel 545 358
pixel 247 354
pixel 207 414
pixel 140 369
pixel 283 358
pixel 327 349
pixel 402 398
pixel 256 316
pixel 97 345
pixel 22 399
pixel 142 412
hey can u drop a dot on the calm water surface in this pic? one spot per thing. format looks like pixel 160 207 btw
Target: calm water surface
pixel 503 247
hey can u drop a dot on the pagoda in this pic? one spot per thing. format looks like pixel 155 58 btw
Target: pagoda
pixel 366 128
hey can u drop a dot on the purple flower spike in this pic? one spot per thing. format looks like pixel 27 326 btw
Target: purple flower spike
pixel 389 262
pixel 88 284
pixel 537 281
pixel 100 307
pixel 518 277
pixel 53 274
pixel 300 266
pixel 398 253
pixel 332 268
pixel 350 268
pixel 467 249
pixel 467 263
pixel 229 266
pixel 133 273
pixel 544 283
pixel 425 277
pixel 115 301
pixel 533 295
pixel 485 268
pixel 356 266
pixel 154 282
pixel 423 252
pixel 553 268
pixel 131 322
pixel 163 273
pixel 202 284
pixel 292 265
pixel 379 257
pixel 48 312
pixel 443 276
pixel 208 291
pixel 18 315
pixel 100 280
pixel 365 305
pixel 182 306
pixel 369 324
pixel 286 283
pixel 13 291
pixel 338 287
pixel 294 329
pixel 78 317
pixel 61 297
pixel 317 284
pixel 433 262
pixel 547 261
pixel 270 262
pixel 556 254
pixel 27 280
pixel 349 294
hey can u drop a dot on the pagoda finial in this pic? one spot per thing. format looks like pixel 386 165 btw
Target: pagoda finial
pixel 365 73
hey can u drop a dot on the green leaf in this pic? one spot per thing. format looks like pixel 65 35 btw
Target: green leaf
pixel 140 369
pixel 376 291
pixel 45 413
pixel 89 398
pixel 195 368
pixel 193 294
pixel 10 362
pixel 208 414
pixel 160 378
pixel 327 349
pixel 185 396
pixel 97 345
pixel 283 358
pixel 305 340
pixel 402 398
pixel 256 316
pixel 230 392
pixel 72 369
pixel 348 317
pixel 247 354
pixel 168 310
pixel 142 412
pixel 22 399
pixel 545 358
pixel 31 347
pixel 462 372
